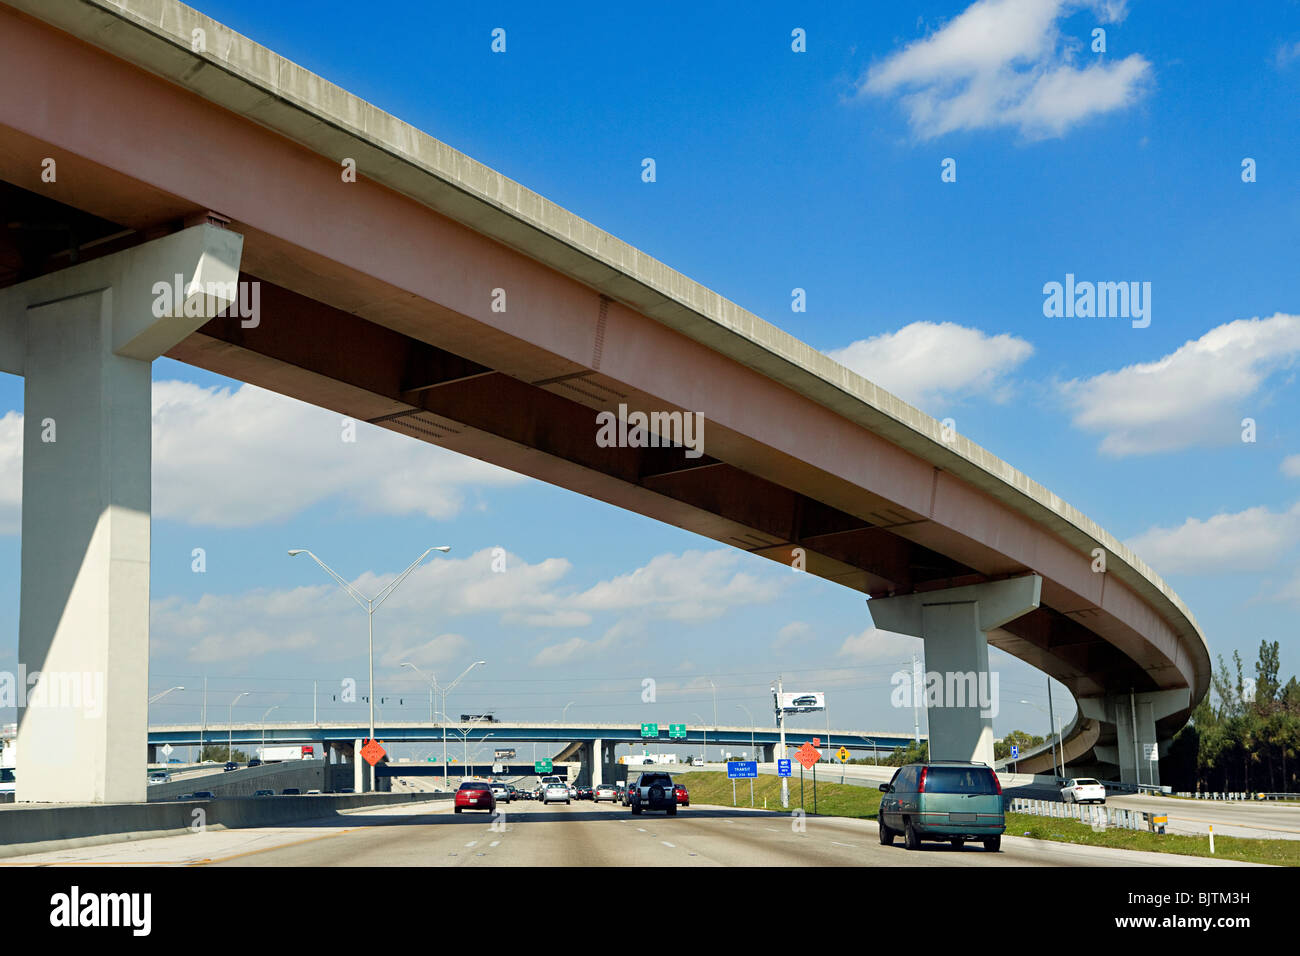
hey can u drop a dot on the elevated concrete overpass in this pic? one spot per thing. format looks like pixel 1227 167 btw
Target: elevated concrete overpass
pixel 438 299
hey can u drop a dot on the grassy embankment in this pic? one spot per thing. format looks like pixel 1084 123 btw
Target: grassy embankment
pixel 845 800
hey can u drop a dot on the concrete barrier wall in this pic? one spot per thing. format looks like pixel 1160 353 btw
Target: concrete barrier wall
pixel 244 782
pixel 34 828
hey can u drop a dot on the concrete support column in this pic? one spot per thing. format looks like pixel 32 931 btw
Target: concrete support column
pixel 360 769
pixel 954 624
pixel 597 762
pixel 84 339
pixel 766 753
pixel 153 754
pixel 1134 716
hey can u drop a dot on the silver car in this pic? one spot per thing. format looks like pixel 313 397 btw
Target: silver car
pixel 606 791
pixel 501 792
pixel 555 792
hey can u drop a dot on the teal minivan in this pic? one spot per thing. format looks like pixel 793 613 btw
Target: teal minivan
pixel 945 800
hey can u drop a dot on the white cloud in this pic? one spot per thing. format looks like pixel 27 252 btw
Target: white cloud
pixel 794 633
pixel 876 645
pixel 1250 540
pixel 1287 53
pixel 929 363
pixel 321 618
pixel 1192 396
pixel 243 457
pixel 1005 63
pixel 442 649
pixel 695 585
pixel 1291 466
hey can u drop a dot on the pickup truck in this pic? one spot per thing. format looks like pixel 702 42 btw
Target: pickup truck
pixel 653 790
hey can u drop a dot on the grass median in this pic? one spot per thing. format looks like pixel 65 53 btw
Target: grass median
pixel 845 800
pixel 833 799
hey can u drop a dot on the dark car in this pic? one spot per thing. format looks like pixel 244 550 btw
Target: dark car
pixel 254 762
pixel 654 791
pixel 264 793
pixel 291 792
pixel 230 765
pixel 952 801
pixel 202 795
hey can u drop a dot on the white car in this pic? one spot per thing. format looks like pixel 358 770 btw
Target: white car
pixel 555 792
pixel 160 776
pixel 501 792
pixel 1083 790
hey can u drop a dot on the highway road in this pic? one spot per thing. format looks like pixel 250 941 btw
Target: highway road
pixel 580 834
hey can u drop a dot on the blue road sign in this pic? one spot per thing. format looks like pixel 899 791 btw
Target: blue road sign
pixel 783 768
pixel 740 769
pixel 1015 751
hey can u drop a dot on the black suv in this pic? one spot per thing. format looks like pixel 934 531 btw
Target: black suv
pixel 654 791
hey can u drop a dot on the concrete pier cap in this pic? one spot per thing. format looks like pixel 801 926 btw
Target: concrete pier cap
pixel 954 624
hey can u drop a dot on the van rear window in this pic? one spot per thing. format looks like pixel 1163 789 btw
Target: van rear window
pixel 959 780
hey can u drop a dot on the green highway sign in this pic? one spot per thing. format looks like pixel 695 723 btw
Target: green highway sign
pixel 677 730
pixel 543 766
pixel 649 730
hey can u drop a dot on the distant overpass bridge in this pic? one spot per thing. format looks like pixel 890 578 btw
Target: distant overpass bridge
pixel 440 300
pixel 592 745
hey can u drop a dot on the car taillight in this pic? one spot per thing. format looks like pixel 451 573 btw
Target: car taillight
pixel 920 787
pixel 996 782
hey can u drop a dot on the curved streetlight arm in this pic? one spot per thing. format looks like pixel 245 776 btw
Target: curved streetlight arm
pixel 392 585
pixel 452 685
pixel 352 592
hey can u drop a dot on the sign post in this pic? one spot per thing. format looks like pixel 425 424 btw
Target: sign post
pixel 808 755
pixel 740 770
pixel 843 755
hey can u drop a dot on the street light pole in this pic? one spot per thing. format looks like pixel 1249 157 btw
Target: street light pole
pixel 230 728
pixel 264 716
pixel 704 751
pixel 777 692
pixel 445 719
pixel 369 605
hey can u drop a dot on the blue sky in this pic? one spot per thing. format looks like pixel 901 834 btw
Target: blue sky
pixel 819 170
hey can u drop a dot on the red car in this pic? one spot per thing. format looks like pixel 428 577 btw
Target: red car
pixel 683 798
pixel 475 795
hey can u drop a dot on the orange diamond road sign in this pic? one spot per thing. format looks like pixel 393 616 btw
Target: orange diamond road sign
pixel 807 755
pixel 372 752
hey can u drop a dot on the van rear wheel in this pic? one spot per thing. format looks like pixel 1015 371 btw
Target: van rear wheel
pixel 993 843
pixel 957 843
pixel 911 837
pixel 886 835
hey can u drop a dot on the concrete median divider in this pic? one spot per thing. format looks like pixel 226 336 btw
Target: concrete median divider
pixel 35 828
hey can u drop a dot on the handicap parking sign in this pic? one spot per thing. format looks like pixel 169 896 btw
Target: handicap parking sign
pixel 1015 751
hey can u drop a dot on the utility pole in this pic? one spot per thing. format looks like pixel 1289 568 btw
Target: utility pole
pixel 779 690
pixel 916 700
pixel 1051 728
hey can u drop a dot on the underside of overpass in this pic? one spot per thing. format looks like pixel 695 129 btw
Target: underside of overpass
pixel 436 299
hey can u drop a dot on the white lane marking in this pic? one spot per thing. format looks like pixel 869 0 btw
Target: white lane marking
pixel 773 829
pixel 495 843
pixel 641 829
pixel 471 843
pixel 849 845
pixel 666 843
